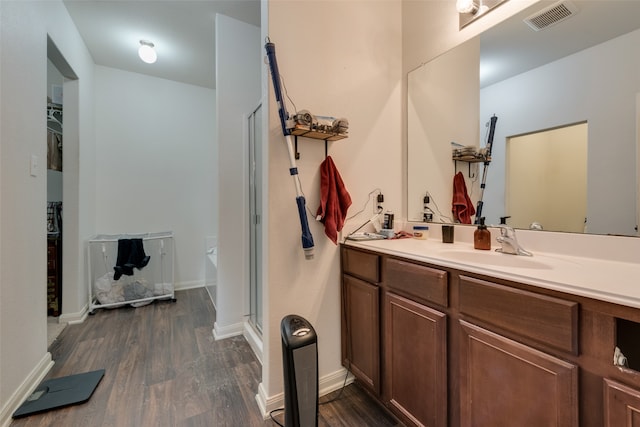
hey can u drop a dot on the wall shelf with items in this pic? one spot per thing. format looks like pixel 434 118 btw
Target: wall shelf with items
pixel 469 154
pixel 307 132
pixel 469 160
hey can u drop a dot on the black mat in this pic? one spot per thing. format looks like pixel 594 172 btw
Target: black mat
pixel 59 392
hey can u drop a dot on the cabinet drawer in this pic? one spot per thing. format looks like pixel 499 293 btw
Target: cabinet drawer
pixel 547 320
pixel 361 264
pixel 426 283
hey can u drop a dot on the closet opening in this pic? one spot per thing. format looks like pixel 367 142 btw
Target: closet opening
pixel 62 181
pixel 55 120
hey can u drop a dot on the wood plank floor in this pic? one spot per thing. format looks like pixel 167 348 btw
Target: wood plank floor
pixel 163 368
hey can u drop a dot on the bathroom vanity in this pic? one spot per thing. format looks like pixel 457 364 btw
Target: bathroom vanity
pixel 443 335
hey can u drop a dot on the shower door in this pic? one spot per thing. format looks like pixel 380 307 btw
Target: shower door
pixel 255 209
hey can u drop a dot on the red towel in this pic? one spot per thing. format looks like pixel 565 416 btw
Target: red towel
pixel 334 200
pixel 462 207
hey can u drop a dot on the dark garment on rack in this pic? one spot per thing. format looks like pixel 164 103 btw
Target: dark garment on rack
pixel 54 151
pixel 54 217
pixel 130 254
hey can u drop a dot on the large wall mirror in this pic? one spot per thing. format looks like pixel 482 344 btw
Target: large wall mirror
pixel 582 71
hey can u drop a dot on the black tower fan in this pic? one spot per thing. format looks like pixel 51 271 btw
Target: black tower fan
pixel 300 366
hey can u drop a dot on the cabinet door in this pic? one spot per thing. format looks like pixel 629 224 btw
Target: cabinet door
pixel 505 383
pixel 361 331
pixel 415 362
pixel 621 405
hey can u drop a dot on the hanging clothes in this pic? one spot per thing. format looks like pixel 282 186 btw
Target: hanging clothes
pixel 462 208
pixel 334 200
pixel 54 150
pixel 130 254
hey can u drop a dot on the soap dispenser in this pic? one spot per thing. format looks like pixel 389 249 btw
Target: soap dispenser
pixel 482 237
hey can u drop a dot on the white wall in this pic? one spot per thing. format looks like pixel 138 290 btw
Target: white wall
pixel 23 63
pixel 341 59
pixel 156 166
pixel 569 91
pixel 238 62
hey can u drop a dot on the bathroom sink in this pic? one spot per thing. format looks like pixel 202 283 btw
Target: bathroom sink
pixel 496 259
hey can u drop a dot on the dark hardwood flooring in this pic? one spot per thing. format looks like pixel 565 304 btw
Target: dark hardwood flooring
pixel 163 368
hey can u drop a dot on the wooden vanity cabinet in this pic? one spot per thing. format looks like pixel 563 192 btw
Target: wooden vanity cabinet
pixel 415 361
pixel 621 405
pixel 415 342
pixel 503 382
pixel 361 317
pixel 443 347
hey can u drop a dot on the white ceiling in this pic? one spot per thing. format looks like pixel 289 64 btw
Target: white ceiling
pixel 182 30
pixel 184 34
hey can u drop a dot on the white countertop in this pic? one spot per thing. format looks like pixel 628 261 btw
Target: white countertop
pixel 607 280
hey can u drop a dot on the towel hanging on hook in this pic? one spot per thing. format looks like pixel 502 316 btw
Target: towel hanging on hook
pixel 334 200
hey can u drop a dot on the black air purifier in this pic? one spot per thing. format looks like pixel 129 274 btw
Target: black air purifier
pixel 300 366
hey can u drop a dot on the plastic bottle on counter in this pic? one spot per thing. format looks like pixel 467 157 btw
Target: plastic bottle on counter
pixel 420 232
pixel 482 237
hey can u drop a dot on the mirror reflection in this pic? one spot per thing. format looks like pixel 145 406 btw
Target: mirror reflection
pixel 582 70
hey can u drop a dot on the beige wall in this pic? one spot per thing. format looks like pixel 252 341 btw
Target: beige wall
pixel 339 58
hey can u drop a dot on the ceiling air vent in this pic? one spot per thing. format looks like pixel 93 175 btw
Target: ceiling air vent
pixel 552 15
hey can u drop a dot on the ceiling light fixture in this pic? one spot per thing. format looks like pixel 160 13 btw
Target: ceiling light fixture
pixel 147 52
pixel 470 10
pixel 466 6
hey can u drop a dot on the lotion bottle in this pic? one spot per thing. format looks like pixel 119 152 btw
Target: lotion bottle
pixel 482 237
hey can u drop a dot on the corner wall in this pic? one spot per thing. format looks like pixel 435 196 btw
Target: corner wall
pixel 340 59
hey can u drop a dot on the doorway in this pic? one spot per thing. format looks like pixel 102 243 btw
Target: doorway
pixel 55 120
pixel 62 185
pixel 254 122
pixel 546 181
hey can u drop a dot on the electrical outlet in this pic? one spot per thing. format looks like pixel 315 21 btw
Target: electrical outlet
pixel 377 207
pixel 427 213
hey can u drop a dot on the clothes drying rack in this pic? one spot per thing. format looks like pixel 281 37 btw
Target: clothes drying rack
pixel 152 282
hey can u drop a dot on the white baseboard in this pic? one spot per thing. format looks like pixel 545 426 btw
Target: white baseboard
pixel 327 384
pixel 222 332
pixel 25 389
pixel 75 318
pixel 254 340
pixel 192 284
pixel 81 316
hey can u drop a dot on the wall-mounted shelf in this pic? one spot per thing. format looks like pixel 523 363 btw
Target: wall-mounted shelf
pixel 307 132
pixel 477 158
pixel 472 159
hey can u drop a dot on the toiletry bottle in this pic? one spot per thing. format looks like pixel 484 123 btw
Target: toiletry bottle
pixel 482 237
pixel 388 220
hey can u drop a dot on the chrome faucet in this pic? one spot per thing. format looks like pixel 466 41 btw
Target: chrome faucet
pixel 509 242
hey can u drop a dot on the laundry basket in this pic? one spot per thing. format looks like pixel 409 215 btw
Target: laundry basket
pixel 141 283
